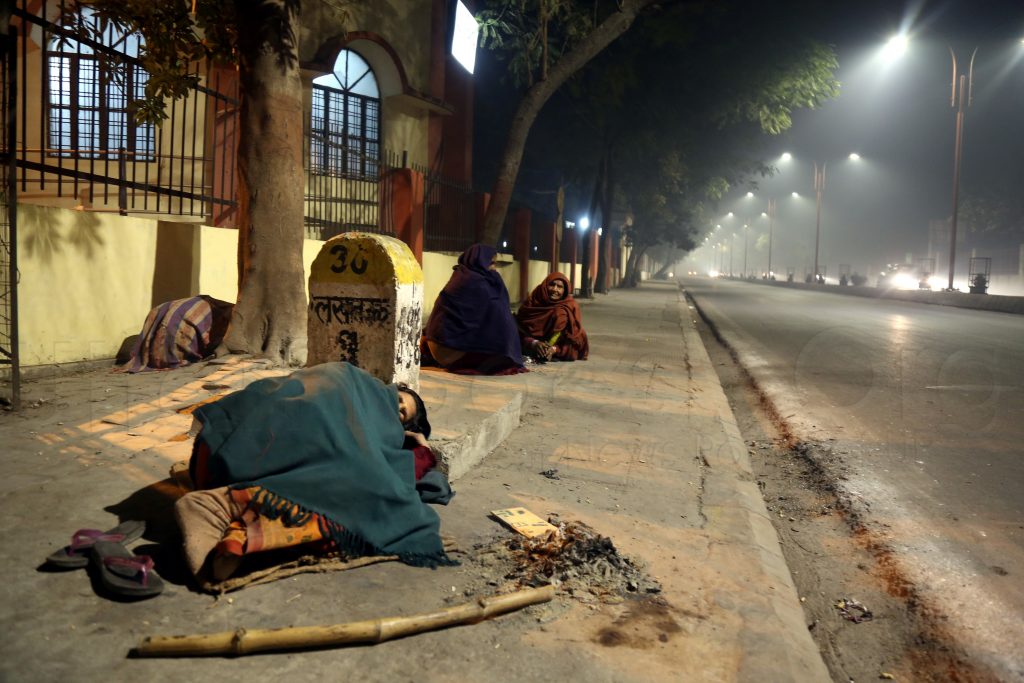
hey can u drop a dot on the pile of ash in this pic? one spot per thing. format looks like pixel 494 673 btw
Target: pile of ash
pixel 579 561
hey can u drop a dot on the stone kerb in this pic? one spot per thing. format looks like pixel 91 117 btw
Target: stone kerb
pixel 366 306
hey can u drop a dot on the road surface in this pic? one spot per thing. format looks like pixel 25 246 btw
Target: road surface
pixel 925 407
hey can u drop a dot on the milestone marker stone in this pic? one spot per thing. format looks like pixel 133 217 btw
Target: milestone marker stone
pixel 366 306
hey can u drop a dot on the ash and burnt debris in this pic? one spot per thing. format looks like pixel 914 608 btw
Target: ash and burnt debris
pixel 579 561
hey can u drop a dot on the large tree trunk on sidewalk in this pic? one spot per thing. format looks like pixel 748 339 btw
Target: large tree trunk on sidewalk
pixel 269 318
pixel 535 98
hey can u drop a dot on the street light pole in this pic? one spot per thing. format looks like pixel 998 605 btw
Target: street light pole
pixel 771 227
pixel 957 100
pixel 746 243
pixel 732 248
pixel 819 189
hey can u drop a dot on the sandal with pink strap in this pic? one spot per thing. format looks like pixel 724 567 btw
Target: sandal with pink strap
pixel 123 573
pixel 76 555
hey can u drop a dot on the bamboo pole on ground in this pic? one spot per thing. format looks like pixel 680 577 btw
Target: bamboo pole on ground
pixel 243 641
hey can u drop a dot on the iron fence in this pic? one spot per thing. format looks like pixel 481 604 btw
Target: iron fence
pixel 79 145
pixel 565 246
pixel 449 213
pixel 9 365
pixel 350 196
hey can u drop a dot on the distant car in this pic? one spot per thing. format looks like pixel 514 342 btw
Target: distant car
pixel 904 276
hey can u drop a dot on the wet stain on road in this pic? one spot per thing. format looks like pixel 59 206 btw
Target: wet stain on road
pixel 641 626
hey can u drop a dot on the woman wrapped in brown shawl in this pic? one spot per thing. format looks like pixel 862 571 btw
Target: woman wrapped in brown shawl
pixel 550 324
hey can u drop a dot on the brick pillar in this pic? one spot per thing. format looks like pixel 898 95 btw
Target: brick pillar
pixel 555 255
pixel 521 249
pixel 483 200
pixel 593 240
pixel 574 241
pixel 402 198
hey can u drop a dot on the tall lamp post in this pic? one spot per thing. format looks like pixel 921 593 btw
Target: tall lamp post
pixel 732 248
pixel 771 228
pixel 746 244
pixel 957 99
pixel 819 190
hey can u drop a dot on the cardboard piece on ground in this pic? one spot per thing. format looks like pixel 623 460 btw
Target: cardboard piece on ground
pixel 524 522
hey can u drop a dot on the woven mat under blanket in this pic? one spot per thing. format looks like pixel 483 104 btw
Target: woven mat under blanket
pixel 270 571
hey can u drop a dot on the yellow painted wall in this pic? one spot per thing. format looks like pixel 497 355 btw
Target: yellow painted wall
pixel 88 280
pixel 437 269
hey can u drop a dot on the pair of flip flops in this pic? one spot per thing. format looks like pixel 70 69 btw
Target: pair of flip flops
pixel 121 572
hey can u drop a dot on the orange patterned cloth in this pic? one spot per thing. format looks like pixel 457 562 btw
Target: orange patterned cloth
pixel 252 532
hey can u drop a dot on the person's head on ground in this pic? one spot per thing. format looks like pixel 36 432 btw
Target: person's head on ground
pixel 412 412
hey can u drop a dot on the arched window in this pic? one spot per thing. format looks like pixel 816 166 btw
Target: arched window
pixel 90 86
pixel 345 126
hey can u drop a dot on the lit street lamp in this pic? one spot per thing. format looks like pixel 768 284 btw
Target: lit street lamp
pixel 746 244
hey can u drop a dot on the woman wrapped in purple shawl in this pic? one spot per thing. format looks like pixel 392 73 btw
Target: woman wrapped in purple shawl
pixel 471 329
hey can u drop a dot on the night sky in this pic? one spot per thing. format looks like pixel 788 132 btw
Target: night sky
pixel 898 117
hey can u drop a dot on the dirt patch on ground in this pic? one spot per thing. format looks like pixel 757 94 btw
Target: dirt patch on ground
pixel 866 618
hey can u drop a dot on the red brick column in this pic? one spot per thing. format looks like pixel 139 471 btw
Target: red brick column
pixel 593 240
pixel 521 249
pixel 483 200
pixel 555 255
pixel 403 199
pixel 574 241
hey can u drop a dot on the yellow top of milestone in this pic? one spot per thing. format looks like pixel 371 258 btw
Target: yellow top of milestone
pixel 365 258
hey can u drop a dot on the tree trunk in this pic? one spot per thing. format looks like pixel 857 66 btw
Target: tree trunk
pixel 632 277
pixel 269 318
pixel 535 98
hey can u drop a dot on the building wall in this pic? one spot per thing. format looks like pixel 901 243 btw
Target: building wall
pixel 395 39
pixel 89 279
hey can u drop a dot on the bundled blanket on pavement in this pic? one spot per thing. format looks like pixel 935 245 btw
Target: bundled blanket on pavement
pixel 179 332
pixel 324 441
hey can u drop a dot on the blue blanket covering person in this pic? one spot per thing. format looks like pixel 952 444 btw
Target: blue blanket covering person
pixel 325 440
pixel 472 313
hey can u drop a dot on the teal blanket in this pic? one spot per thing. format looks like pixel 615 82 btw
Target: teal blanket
pixel 325 440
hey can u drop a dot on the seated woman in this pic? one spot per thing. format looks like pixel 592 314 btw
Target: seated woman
pixel 550 323
pixel 320 457
pixel 179 332
pixel 471 330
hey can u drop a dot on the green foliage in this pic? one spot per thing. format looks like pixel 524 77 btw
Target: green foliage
pixel 685 101
pixel 532 34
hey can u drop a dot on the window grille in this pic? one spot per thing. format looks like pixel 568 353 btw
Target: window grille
pixel 88 95
pixel 345 120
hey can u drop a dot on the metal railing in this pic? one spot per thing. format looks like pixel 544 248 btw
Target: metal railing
pixel 337 201
pixel 9 365
pixel 185 166
pixel 449 213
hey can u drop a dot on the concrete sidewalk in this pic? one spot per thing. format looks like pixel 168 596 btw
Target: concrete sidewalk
pixel 646 450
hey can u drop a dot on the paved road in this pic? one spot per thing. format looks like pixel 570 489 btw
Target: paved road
pixel 926 408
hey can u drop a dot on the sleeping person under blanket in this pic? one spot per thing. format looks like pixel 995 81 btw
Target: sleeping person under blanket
pixel 328 457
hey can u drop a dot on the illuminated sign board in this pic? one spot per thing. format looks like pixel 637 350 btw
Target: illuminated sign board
pixel 464 37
